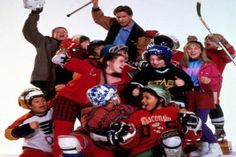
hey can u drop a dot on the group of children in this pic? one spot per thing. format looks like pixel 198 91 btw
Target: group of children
pixel 156 105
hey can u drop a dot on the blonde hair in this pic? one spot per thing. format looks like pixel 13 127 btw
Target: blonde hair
pixel 203 57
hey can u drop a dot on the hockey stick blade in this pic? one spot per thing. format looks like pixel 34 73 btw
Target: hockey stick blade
pixel 199 8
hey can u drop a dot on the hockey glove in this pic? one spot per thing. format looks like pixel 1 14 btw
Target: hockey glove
pixel 60 58
pixel 120 132
pixel 191 122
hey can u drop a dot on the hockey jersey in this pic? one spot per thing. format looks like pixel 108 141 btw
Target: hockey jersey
pixel 40 138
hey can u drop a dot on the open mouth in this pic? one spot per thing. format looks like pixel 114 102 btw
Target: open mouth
pixel 62 36
pixel 43 107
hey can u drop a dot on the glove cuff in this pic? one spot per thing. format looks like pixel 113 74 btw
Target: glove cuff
pixel 37 11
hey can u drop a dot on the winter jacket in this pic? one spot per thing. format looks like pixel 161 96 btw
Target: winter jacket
pixel 202 98
pixel 210 70
pixel 164 76
pixel 220 58
pixel 90 75
pixel 40 138
pixel 113 28
pixel 44 72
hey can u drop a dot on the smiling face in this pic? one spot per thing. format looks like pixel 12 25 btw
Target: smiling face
pixel 116 65
pixel 210 44
pixel 157 61
pixel 60 34
pixel 149 101
pixel 194 50
pixel 38 105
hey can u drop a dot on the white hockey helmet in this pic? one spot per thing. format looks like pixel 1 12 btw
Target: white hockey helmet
pixel 27 96
pixel 33 4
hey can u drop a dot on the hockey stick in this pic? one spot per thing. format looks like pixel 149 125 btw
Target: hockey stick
pixel 68 15
pixel 204 23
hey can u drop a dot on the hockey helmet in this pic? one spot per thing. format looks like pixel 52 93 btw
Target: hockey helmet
pixel 160 91
pixel 175 41
pixel 113 49
pixel 26 97
pixel 33 4
pixel 160 50
pixel 100 94
pixel 163 40
pixel 117 48
pixel 93 44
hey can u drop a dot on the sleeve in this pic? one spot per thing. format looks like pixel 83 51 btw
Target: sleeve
pixel 213 73
pixel 30 30
pixel 128 73
pixel 188 84
pixel 140 78
pixel 225 57
pixel 86 115
pixel 15 131
pixel 22 131
pixel 216 79
pixel 100 19
pixel 77 65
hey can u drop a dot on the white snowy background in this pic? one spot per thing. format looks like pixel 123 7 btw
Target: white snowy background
pixel 171 17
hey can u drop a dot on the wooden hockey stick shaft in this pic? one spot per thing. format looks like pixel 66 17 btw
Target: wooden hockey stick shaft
pixel 68 15
pixel 205 24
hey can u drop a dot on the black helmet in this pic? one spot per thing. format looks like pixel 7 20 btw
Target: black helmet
pixel 93 44
pixel 163 40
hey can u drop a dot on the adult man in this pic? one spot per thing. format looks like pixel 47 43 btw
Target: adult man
pixel 45 74
pixel 121 30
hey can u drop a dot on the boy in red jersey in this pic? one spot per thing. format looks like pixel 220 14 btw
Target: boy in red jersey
pixel 158 123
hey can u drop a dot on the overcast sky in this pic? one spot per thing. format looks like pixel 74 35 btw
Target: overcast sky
pixel 171 17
